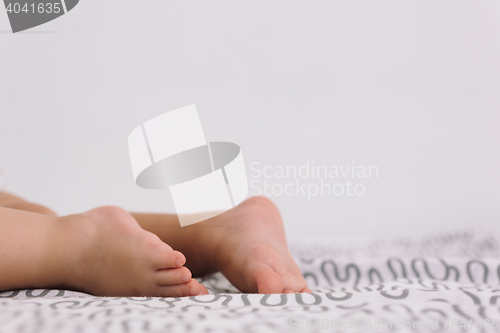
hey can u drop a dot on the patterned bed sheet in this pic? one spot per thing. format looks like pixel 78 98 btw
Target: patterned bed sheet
pixel 445 283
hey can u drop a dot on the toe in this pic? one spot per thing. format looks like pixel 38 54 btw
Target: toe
pixel 265 280
pixel 190 288
pixel 294 281
pixel 204 290
pixel 172 276
pixel 169 259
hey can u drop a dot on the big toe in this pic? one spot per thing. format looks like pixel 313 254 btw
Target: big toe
pixel 265 280
pixel 203 290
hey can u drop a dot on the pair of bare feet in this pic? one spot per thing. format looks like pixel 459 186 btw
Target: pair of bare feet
pixel 109 254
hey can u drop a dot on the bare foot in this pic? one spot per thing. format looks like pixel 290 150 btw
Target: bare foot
pixel 109 254
pixel 248 245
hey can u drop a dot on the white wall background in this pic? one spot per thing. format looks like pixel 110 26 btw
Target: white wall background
pixel 410 86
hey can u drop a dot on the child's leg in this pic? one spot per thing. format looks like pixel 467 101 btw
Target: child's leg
pixel 103 252
pixel 8 200
pixel 247 244
pixel 26 250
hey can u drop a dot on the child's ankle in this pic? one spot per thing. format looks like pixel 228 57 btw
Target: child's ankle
pixel 72 237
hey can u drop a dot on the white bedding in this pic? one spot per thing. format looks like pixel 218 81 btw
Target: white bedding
pixel 451 279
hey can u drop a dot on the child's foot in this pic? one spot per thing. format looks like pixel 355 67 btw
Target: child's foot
pixel 248 245
pixel 111 255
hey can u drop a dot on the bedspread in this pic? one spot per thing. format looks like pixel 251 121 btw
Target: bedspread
pixel 444 283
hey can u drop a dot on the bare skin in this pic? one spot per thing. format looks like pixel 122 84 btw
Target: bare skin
pixel 247 244
pixel 8 200
pixel 110 252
